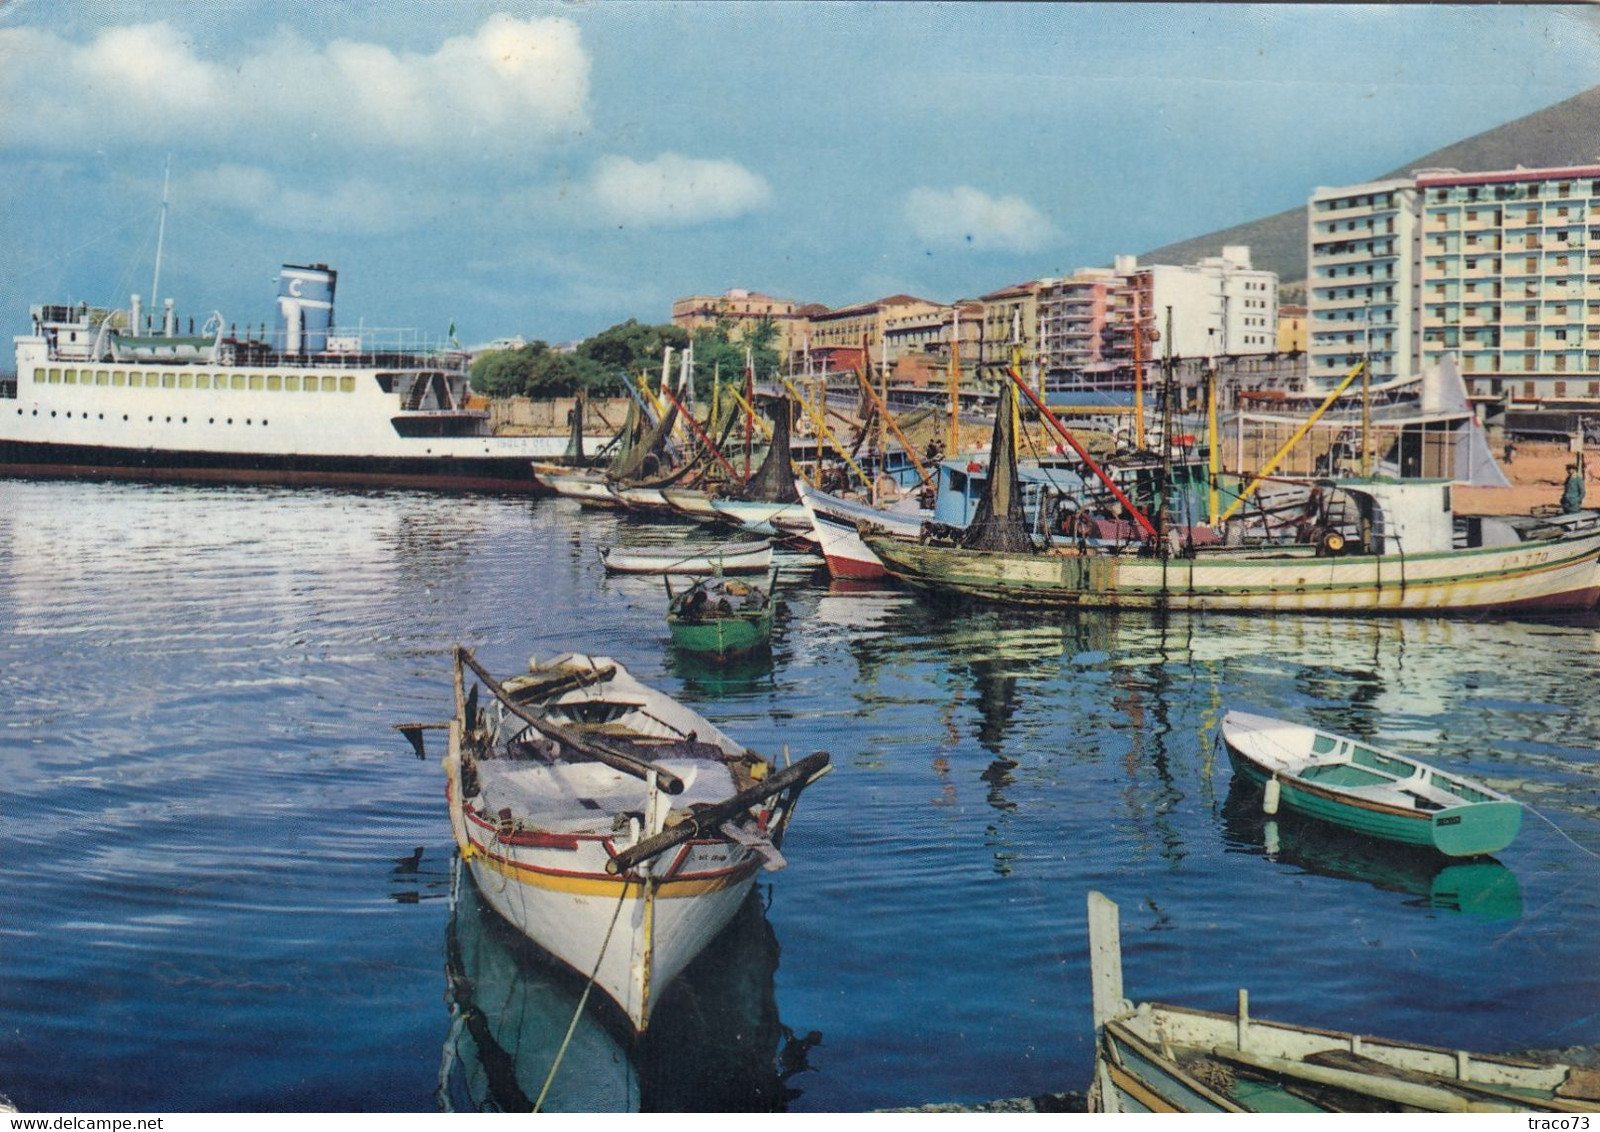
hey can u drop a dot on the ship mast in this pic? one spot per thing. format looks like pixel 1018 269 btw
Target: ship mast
pixel 161 236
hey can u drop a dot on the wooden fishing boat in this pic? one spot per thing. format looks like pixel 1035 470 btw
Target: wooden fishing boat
pixel 1371 546
pixel 637 498
pixel 690 501
pixel 722 617
pixel 835 523
pixel 727 558
pixel 507 1048
pixel 1159 1058
pixel 611 825
pixel 756 516
pixel 590 489
pixel 1364 788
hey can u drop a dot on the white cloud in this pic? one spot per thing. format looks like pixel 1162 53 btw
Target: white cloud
pixel 355 206
pixel 967 216
pixel 675 191
pixel 506 86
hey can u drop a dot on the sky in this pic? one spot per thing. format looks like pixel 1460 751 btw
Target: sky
pixel 551 169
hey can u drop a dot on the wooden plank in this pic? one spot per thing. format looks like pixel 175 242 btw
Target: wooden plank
pixel 1105 960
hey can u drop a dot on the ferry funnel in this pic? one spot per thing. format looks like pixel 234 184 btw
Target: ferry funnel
pixel 305 307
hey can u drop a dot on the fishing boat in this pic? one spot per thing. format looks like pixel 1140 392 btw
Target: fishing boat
pixel 117 394
pixel 695 503
pixel 722 617
pixel 512 1007
pixel 589 489
pixel 1154 1057
pixel 728 558
pixel 1367 789
pixel 1373 546
pixel 835 523
pixel 611 825
pixel 756 516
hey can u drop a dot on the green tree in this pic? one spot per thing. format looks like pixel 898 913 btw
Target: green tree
pixel 535 370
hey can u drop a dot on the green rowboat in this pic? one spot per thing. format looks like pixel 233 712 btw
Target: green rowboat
pixel 1371 791
pixel 721 617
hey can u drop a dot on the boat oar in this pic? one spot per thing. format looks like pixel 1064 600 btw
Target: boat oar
pixel 616 760
pixel 802 773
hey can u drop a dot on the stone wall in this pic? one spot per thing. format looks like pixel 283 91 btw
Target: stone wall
pixel 523 416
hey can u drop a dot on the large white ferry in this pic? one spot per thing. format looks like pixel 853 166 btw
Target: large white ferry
pixel 97 394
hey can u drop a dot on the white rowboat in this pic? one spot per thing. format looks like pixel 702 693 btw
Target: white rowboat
pixel 611 825
pixel 729 558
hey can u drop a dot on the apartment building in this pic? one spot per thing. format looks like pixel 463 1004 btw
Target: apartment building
pixel 1510 279
pixel 743 309
pixel 1292 321
pixel 915 321
pixel 1492 267
pixel 1072 316
pixel 1363 284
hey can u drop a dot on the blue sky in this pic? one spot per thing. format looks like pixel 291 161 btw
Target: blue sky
pixel 550 169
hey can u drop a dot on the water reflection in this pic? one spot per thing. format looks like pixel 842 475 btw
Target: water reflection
pixel 716 1042
pixel 1482 888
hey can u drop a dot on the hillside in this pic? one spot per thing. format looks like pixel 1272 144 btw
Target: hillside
pixel 1563 134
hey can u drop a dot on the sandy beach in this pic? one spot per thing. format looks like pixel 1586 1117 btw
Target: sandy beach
pixel 1537 473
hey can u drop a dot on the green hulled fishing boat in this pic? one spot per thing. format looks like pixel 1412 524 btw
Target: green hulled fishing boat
pixel 720 617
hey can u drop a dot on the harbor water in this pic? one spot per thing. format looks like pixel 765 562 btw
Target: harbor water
pixel 229 881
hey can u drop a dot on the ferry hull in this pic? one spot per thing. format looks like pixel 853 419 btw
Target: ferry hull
pixel 67 461
pixel 1529 577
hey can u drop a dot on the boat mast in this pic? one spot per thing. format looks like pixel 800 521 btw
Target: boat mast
pixel 161 236
pixel 1366 397
pixel 1163 510
pixel 1138 373
pixel 955 384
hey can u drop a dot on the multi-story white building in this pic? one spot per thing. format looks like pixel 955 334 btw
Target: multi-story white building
pixel 1220 307
pixel 1493 268
pixel 1506 279
pixel 1362 280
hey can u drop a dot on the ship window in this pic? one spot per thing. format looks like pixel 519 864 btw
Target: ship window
pixel 119 378
pixel 135 379
pixel 291 383
pixel 257 382
pixel 186 381
pixel 347 384
pixel 168 380
pixel 55 377
pixel 72 376
pixel 330 384
pixel 202 381
pixel 274 383
pixel 238 381
pixel 311 383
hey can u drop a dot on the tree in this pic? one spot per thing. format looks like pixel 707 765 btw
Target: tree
pixel 535 370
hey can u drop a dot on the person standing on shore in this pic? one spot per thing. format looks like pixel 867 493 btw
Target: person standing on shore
pixel 1572 493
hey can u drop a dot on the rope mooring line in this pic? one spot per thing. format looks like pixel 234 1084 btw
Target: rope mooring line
pixel 583 999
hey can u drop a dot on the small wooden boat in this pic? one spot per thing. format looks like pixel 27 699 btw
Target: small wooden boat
pixel 1159 1058
pixel 646 499
pixel 1372 791
pixel 691 501
pixel 511 1008
pixel 756 516
pixel 728 558
pixel 590 489
pixel 611 825
pixel 722 616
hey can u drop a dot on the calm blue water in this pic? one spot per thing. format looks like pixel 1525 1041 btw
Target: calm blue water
pixel 227 878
